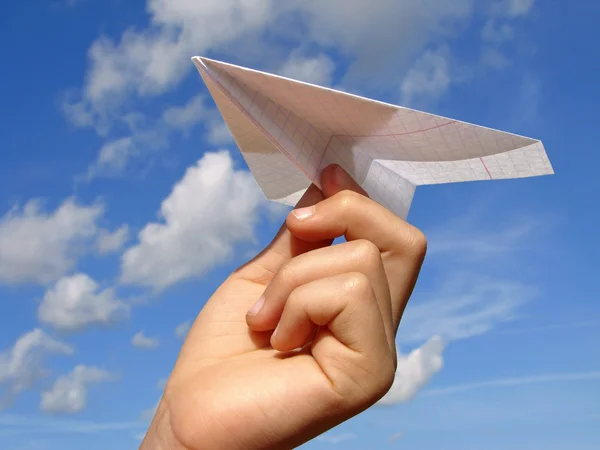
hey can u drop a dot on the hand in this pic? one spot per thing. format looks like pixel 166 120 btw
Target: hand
pixel 239 385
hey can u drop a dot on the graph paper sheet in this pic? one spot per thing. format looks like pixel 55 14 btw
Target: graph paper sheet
pixel 289 131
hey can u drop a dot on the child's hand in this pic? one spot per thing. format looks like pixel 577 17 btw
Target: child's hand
pixel 233 388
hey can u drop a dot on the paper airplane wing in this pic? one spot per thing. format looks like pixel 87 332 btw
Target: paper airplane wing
pixel 288 131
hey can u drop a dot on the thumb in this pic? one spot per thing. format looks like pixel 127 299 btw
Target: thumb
pixel 285 245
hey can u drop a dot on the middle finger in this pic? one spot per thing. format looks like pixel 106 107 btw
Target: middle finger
pixel 356 256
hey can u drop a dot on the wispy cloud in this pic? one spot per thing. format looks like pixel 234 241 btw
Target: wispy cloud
pixel 468 240
pixel 395 437
pixel 68 395
pixel 552 327
pixel 147 414
pixel 316 70
pixel 149 135
pixel 140 340
pixel 22 366
pixel 336 438
pixel 41 425
pixel 481 291
pixel 179 28
pixel 110 242
pixel 465 306
pixel 516 381
pixel 182 329
pixel 429 78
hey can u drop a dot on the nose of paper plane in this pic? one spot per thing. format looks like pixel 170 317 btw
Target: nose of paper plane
pixel 199 62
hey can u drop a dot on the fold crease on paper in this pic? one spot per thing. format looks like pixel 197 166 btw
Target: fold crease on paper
pixel 289 131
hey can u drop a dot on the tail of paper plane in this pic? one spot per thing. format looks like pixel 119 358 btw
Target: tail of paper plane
pixel 289 131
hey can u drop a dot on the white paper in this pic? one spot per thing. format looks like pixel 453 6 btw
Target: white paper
pixel 289 131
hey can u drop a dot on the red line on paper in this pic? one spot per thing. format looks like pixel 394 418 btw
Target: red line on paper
pixel 380 135
pixel 284 151
pixel 486 168
pixel 399 134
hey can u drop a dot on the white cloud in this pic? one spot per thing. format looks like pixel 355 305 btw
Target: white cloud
pixel 213 207
pixel 186 116
pixel 108 242
pixel 139 340
pixel 494 58
pixel 500 29
pixel 22 365
pixel 467 306
pixel 497 33
pixel 39 247
pixel 76 302
pixel 429 77
pixel 68 395
pixel 182 329
pixel 336 438
pixel 415 371
pixel 148 414
pixel 512 8
pixel 218 132
pixel 149 135
pixel 113 157
pixel 371 32
pixel 151 60
pixel 81 113
pixel 316 70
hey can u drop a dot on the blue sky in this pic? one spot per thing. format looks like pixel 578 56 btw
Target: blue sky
pixel 103 115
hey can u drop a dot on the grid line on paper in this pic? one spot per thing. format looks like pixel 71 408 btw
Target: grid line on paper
pixel 257 124
pixel 274 172
pixel 326 126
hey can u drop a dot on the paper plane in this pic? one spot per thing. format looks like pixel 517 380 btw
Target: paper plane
pixel 288 131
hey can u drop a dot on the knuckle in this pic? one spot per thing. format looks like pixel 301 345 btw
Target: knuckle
pixel 366 252
pixel 287 274
pixel 357 283
pixel 347 199
pixel 417 241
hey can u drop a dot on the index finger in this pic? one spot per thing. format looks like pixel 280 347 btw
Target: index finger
pixel 285 245
pixel 355 216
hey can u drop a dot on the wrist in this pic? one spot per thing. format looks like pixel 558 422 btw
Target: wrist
pixel 160 434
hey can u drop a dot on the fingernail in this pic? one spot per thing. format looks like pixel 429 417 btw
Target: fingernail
pixel 257 306
pixel 304 213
